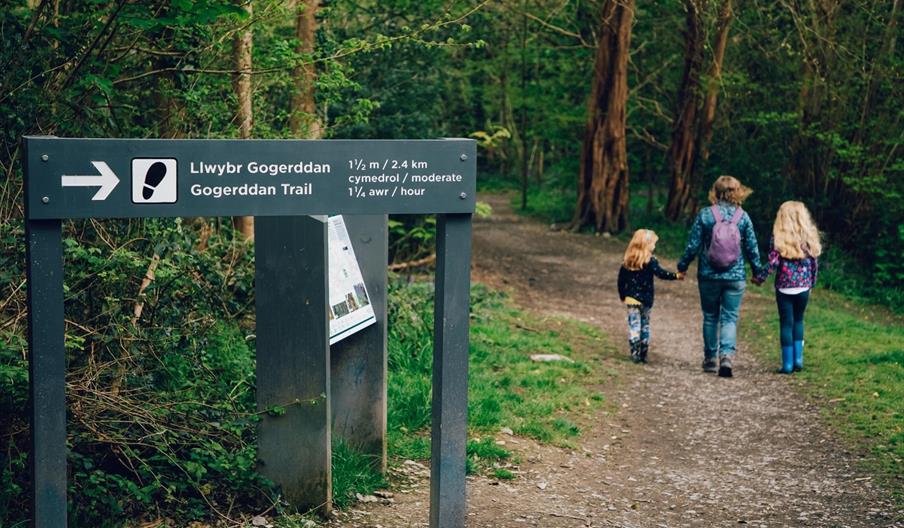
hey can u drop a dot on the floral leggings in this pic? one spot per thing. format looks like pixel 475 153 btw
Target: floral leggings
pixel 638 324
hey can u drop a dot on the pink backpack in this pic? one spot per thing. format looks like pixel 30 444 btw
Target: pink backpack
pixel 725 246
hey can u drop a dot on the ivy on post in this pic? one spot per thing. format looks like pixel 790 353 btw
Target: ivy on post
pixel 293 358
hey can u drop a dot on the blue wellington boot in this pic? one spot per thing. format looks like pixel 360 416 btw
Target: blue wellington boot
pixel 787 360
pixel 798 356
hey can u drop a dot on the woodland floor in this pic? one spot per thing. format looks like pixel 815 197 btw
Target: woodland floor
pixel 676 446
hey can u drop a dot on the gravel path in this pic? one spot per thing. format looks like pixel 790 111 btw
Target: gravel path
pixel 684 449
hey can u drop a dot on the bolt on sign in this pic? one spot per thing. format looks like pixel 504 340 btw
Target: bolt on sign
pixel 291 185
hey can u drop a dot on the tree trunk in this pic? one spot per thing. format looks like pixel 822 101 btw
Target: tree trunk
pixel 682 155
pixel 811 158
pixel 713 82
pixel 651 180
pixel 525 166
pixel 303 121
pixel 886 51
pixel 603 184
pixel 541 163
pixel 242 87
pixel 504 109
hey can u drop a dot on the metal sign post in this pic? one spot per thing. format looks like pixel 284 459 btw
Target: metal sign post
pixel 283 182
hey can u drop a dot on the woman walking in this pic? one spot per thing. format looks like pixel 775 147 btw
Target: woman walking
pixel 723 237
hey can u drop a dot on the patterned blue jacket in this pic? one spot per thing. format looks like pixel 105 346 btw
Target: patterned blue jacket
pixel 700 237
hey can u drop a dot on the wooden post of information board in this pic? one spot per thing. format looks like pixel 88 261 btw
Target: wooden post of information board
pixel 293 358
pixel 450 370
pixel 358 374
pixel 47 372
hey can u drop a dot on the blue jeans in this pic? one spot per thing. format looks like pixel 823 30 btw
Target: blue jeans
pixel 721 304
pixel 791 316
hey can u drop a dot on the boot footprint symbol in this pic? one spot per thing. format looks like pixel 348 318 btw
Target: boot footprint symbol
pixel 155 174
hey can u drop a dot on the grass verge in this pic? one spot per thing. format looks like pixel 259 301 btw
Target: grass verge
pixel 505 388
pixel 854 369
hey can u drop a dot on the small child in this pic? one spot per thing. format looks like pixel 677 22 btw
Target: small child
pixel 793 252
pixel 635 287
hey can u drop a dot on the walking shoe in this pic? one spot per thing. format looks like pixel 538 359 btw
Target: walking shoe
pixel 725 367
pixel 644 349
pixel 709 365
pixel 635 352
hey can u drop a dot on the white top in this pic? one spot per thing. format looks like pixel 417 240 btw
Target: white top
pixel 793 291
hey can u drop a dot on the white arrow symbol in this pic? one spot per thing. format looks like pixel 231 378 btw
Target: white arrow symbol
pixel 106 180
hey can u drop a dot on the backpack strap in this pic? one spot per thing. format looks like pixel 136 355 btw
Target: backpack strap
pixel 737 215
pixel 717 213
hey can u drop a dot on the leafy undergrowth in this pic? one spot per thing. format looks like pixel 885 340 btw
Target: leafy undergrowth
pixel 161 408
pixel 549 204
pixel 854 369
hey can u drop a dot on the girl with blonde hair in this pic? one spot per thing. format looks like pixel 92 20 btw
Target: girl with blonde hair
pixel 635 287
pixel 793 254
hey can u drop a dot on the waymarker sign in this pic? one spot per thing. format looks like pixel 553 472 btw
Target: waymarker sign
pixel 125 178
pixel 324 391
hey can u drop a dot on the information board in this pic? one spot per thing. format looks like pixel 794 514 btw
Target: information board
pixel 122 178
pixel 350 309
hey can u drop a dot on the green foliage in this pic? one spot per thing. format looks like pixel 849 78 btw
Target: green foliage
pixel 411 236
pixel 483 453
pixel 503 474
pixel 353 473
pixel 843 273
pixel 162 408
pixel 551 204
pixel 506 388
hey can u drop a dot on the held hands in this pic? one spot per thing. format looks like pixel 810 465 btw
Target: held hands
pixel 681 275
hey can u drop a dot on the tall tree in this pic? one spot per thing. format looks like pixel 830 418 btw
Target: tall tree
pixel 522 129
pixel 714 81
pixel 603 183
pixel 693 127
pixel 303 121
pixel 809 165
pixel 242 86
pixel 682 154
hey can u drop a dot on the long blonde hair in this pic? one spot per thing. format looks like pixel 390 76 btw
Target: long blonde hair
pixel 794 234
pixel 640 249
pixel 728 189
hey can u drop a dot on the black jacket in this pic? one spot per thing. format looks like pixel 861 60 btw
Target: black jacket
pixel 639 284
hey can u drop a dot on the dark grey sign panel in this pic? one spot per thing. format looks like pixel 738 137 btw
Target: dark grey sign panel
pixel 124 178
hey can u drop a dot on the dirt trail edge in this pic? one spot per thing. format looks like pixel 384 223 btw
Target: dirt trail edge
pixel 685 448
